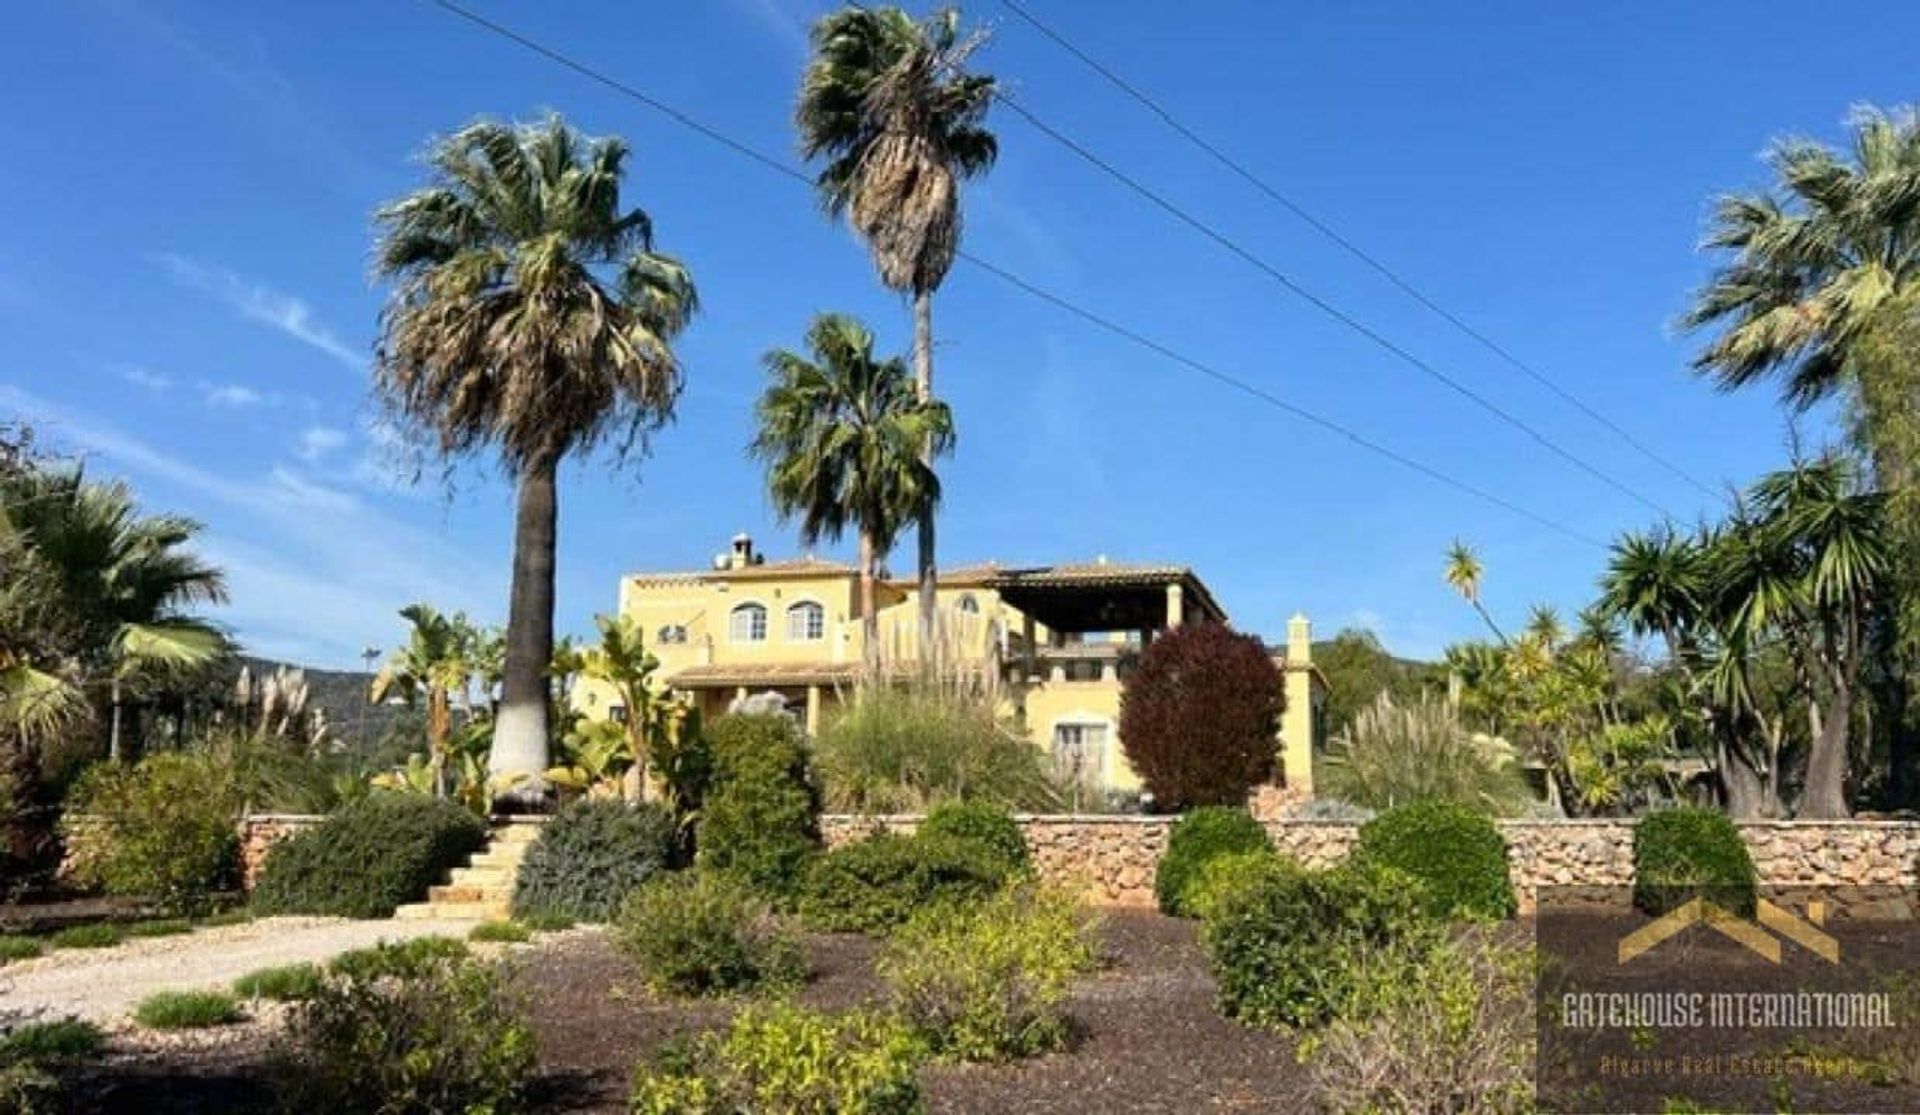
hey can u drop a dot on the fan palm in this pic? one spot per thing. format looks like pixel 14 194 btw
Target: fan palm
pixel 107 590
pixel 529 314
pixel 889 105
pixel 846 440
pixel 1813 272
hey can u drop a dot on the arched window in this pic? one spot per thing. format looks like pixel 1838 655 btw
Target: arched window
pixel 969 605
pixel 806 622
pixel 748 624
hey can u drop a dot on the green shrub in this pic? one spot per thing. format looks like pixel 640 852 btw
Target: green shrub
pixel 66 1039
pixel 396 959
pixel 1287 946
pixel 93 935
pixel 290 983
pixel 35 1056
pixel 369 858
pixel 1197 837
pixel 165 927
pixel 1452 1023
pixel 986 827
pixel 899 749
pixel 187 1010
pixel 699 933
pixel 500 932
pixel 20 948
pixel 779 1059
pixel 989 981
pixel 873 885
pixel 1454 849
pixel 547 923
pixel 444 1038
pixel 1687 853
pixel 1224 872
pixel 163 830
pixel 237 916
pixel 760 820
pixel 590 856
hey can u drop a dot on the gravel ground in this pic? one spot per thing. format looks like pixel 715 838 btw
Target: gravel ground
pixel 104 985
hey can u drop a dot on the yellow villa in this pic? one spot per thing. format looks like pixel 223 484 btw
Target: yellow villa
pixel 1054 642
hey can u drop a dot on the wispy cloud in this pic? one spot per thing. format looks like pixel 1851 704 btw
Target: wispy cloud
pixel 146 378
pixel 317 442
pixel 232 395
pixel 262 305
pixel 314 572
pixel 780 18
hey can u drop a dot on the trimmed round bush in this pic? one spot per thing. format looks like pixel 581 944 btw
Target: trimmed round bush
pixel 590 857
pixel 1197 837
pixel 760 819
pixel 369 858
pixel 1452 848
pixel 703 934
pixel 989 828
pixel 1289 947
pixel 1687 853
pixel 875 884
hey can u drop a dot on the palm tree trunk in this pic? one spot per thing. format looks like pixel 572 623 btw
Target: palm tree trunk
pixel 113 735
pixel 1825 795
pixel 923 382
pixel 869 619
pixel 518 760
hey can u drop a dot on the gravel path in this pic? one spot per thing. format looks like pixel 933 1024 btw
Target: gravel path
pixel 104 985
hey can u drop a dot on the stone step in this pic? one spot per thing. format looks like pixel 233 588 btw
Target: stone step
pixel 516 834
pixel 481 875
pixel 454 911
pixel 504 859
pixel 450 892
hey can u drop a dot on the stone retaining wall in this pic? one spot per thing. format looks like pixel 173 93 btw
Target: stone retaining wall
pixel 259 832
pixel 1114 857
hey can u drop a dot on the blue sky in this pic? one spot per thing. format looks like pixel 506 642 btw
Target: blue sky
pixel 185 296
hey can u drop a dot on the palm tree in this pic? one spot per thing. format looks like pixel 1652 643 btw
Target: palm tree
pixel 1657 583
pixel 846 440
pixel 889 104
pixel 1463 573
pixel 110 591
pixel 530 315
pixel 437 664
pixel 1544 624
pixel 1813 274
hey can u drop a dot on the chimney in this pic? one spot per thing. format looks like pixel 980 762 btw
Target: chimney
pixel 742 553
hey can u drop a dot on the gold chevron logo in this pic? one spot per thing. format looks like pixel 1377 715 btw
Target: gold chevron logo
pixel 1762 933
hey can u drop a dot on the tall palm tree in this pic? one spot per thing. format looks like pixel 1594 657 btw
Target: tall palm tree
pixel 435 666
pixel 890 106
pixel 1821 291
pixel 530 315
pixel 846 440
pixel 112 589
pixel 1464 572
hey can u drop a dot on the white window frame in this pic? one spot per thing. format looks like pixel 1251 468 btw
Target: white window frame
pixel 815 628
pixel 1095 774
pixel 756 626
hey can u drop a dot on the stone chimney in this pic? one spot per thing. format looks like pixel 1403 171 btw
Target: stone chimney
pixel 1296 723
pixel 742 554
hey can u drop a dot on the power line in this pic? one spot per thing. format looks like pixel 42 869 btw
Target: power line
pixel 1353 249
pixel 1320 303
pixel 1059 302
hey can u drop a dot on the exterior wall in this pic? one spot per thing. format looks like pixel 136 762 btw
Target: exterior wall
pixel 1114 858
pixel 1051 703
pixel 705 608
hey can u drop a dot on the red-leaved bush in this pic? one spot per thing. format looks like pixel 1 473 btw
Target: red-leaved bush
pixel 1200 716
